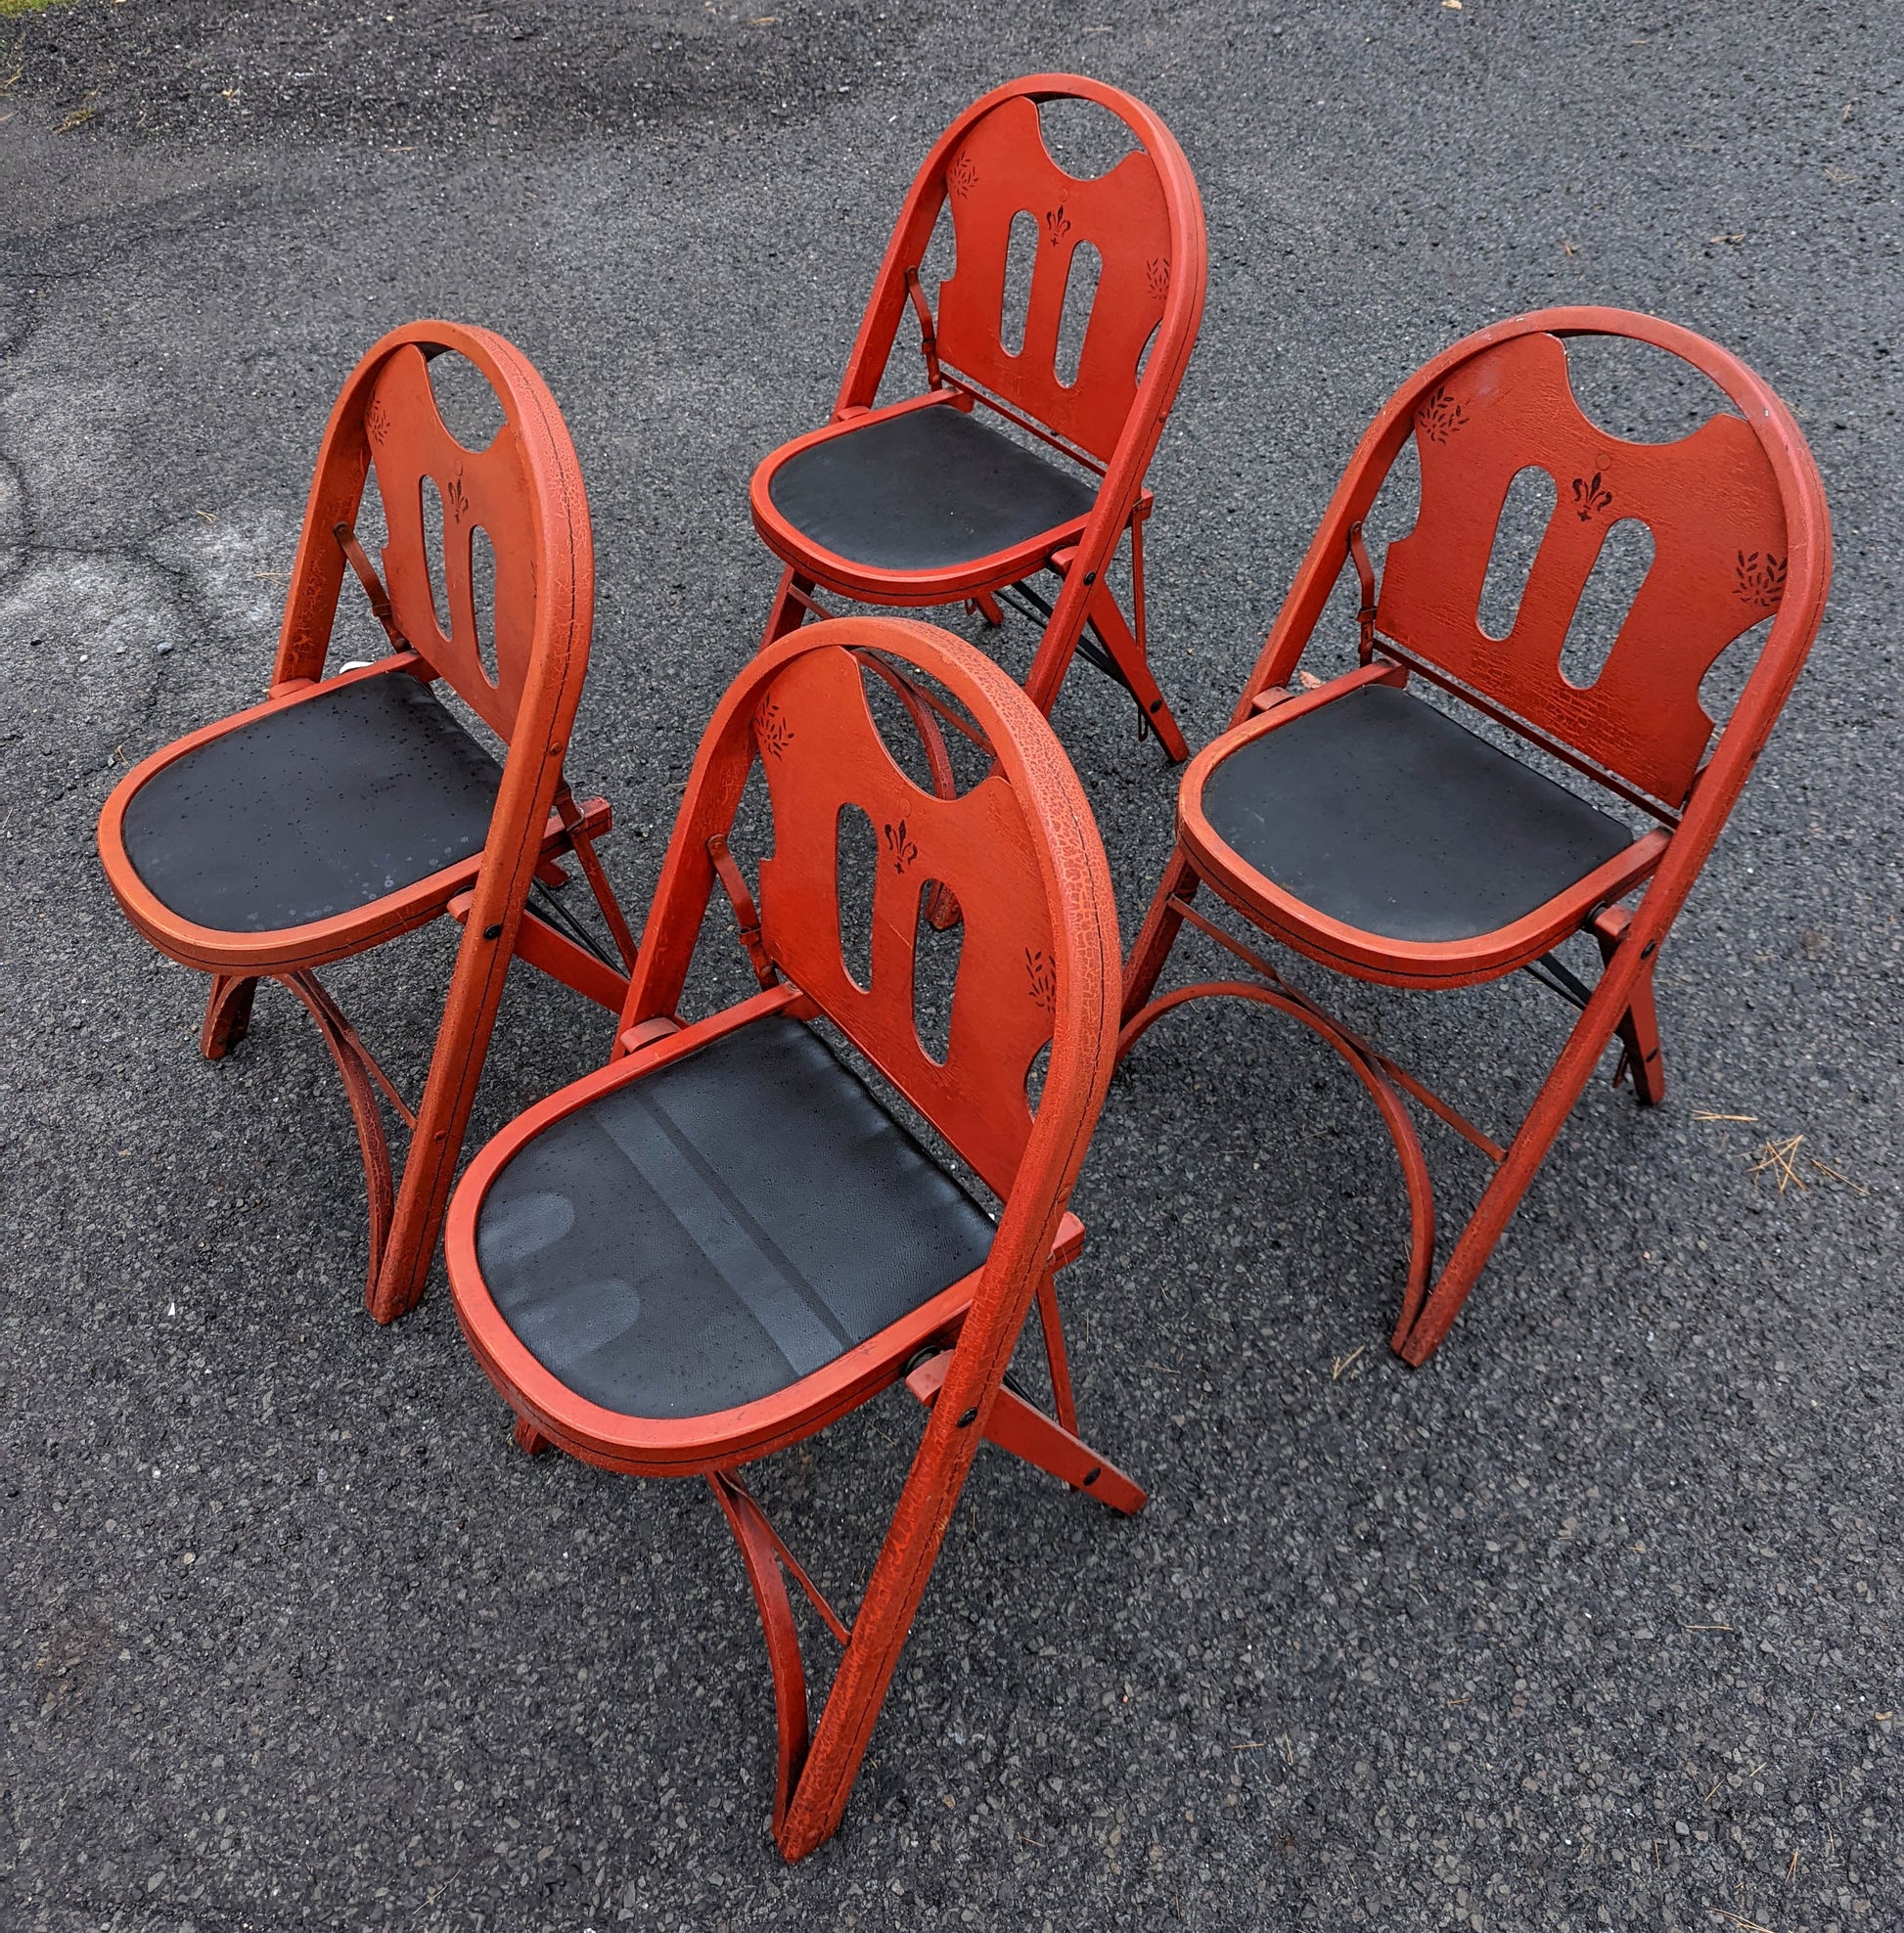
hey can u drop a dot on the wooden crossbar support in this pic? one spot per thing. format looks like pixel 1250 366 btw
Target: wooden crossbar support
pixel 1028 1433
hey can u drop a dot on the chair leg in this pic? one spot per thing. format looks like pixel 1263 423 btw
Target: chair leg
pixel 405 1221
pixel 1028 1433
pixel 528 1439
pixel 1057 1359
pixel 1511 1180
pixel 1154 939
pixel 355 1066
pixel 788 610
pixel 965 1378
pixel 1116 637
pixel 428 1172
pixel 227 1014
pixel 1639 1027
pixel 1127 648
pixel 987 606
pixel 768 1581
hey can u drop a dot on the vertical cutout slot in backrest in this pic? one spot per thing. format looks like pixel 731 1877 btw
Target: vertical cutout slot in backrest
pixel 1606 600
pixel 936 956
pixel 856 865
pixel 1526 511
pixel 483 599
pixel 1020 261
pixel 1080 298
pixel 435 519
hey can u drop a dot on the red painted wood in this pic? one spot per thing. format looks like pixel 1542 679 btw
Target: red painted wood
pixel 1038 963
pixel 1740 531
pixel 491 491
pixel 1711 500
pixel 525 489
pixel 980 845
pixel 1000 168
pixel 1146 219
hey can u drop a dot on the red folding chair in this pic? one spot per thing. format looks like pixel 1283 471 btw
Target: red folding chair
pixel 929 501
pixel 344 811
pixel 726 1239
pixel 1375 834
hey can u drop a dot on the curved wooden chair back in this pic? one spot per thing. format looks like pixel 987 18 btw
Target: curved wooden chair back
pixel 1002 169
pixel 1735 512
pixel 523 493
pixel 1033 940
pixel 1143 217
pixel 982 847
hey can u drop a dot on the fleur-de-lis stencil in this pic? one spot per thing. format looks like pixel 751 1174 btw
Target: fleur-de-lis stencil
pixel 772 728
pixel 1156 272
pixel 1058 224
pixel 1761 579
pixel 456 499
pixel 900 848
pixel 1042 971
pixel 377 421
pixel 1590 494
pixel 1439 417
pixel 962 177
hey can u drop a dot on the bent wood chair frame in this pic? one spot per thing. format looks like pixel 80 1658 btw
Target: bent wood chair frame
pixel 1146 221
pixel 1741 532
pixel 1039 967
pixel 525 491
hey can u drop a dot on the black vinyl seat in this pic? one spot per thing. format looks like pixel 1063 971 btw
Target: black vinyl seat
pixel 314 810
pixel 706 1235
pixel 925 489
pixel 1380 811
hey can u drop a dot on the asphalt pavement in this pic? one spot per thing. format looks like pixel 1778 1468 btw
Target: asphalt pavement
pixel 1594 1622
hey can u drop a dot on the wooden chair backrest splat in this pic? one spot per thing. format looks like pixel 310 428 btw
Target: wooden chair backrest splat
pixel 1002 169
pixel 821 752
pixel 389 421
pixel 1711 500
pixel 1039 954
